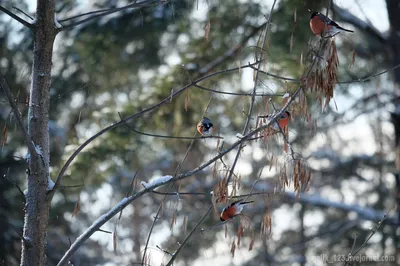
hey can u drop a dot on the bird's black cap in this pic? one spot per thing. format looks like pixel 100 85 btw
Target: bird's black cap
pixel 313 14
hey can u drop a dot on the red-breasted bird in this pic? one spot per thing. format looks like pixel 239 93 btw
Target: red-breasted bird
pixel 283 121
pixel 317 23
pixel 205 127
pixel 232 210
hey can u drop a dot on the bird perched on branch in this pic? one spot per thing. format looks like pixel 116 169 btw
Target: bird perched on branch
pixel 317 24
pixel 205 127
pixel 234 209
pixel 283 121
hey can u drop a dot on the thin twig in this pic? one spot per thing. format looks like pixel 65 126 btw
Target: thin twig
pixel 188 236
pixel 17 18
pixel 16 8
pixel 177 170
pixel 111 213
pixel 253 97
pixel 15 184
pixel 366 240
pixel 359 80
pixel 105 12
pixel 165 136
pixel 146 110
pixel 238 93
pixel 284 136
pixel 151 230
pixel 14 107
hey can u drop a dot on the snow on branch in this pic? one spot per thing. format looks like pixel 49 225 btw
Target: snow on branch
pixel 363 212
pixel 156 181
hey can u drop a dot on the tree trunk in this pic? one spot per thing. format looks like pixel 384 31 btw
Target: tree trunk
pixel 37 203
pixel 393 7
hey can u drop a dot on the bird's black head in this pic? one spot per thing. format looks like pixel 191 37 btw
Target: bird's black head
pixel 313 14
pixel 288 113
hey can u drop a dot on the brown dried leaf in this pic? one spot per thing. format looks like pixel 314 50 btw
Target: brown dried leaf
pixel 353 58
pixel 285 145
pixel 291 42
pixel 272 162
pixel 252 241
pixel 184 224
pixel 173 220
pixel 207 30
pixel 115 241
pixel 77 207
pixel 4 135
pixel 233 248
pixel 187 100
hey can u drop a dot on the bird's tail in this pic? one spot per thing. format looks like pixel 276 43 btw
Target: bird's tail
pixel 345 29
pixel 246 202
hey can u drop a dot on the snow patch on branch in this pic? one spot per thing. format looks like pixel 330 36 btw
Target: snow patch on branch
pixel 38 151
pixel 50 183
pixel 156 181
pixel 58 25
pixel 286 95
pixel 239 136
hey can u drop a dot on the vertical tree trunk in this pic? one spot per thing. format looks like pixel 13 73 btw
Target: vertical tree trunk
pixel 37 203
pixel 393 7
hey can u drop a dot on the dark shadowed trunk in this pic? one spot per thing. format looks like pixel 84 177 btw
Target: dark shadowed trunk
pixel 393 7
pixel 37 202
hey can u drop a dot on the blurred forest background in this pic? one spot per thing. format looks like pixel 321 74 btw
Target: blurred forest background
pixel 130 60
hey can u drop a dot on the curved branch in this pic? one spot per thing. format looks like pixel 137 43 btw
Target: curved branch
pixel 126 201
pixel 188 237
pixel 105 12
pixel 165 136
pixel 348 17
pixel 253 96
pixel 146 110
pixel 17 18
pixel 14 107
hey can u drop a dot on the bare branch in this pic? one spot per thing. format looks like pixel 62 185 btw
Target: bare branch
pixel 105 12
pixel 237 93
pixel 348 17
pixel 146 110
pixel 165 136
pixel 373 231
pixel 188 237
pixel 14 107
pixel 20 10
pixel 253 97
pixel 126 201
pixel 17 18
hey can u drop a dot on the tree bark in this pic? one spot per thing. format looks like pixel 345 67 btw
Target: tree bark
pixel 393 7
pixel 37 203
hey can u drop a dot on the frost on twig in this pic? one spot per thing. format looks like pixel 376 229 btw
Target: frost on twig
pixel 156 181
